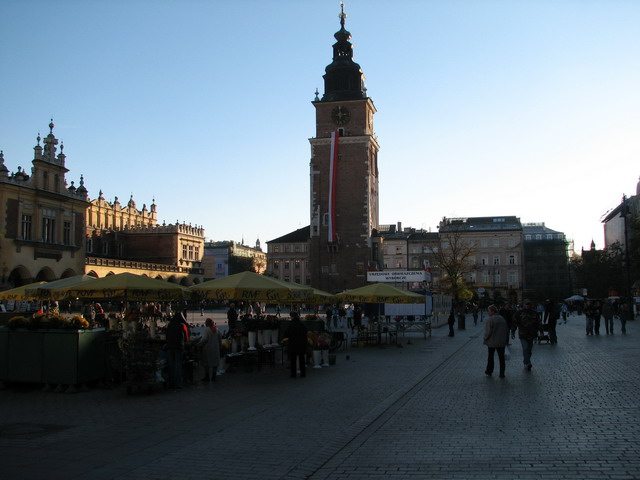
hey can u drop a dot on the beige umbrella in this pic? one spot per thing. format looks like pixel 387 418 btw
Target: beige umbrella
pixel 379 293
pixel 252 287
pixel 128 287
pixel 53 290
pixel 20 293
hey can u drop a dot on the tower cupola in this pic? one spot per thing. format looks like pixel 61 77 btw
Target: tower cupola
pixel 343 78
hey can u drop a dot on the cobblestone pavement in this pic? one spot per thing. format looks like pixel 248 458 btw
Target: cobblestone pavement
pixel 425 410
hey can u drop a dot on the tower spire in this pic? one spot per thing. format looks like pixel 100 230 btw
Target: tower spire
pixel 343 79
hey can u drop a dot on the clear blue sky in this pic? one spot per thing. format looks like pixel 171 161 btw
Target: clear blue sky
pixel 526 108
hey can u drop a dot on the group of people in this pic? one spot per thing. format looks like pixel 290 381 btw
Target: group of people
pixel 209 346
pixel 594 311
pixel 497 330
pixel 341 316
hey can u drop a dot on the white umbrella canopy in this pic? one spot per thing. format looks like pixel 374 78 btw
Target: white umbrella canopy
pixel 574 298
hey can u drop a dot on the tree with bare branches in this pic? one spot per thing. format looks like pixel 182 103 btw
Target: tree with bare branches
pixel 454 260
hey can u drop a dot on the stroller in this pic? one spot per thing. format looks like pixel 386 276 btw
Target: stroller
pixel 543 335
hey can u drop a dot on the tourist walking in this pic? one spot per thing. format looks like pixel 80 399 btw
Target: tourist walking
pixel 496 333
pixel 607 313
pixel 565 310
pixel 551 316
pixel 527 323
pixel 591 312
pixel 451 321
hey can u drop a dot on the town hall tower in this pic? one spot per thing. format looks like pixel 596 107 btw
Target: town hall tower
pixel 344 175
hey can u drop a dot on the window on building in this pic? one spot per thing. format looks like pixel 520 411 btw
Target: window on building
pixel 324 269
pixel 485 277
pixel 496 242
pixel 512 278
pixel 538 237
pixel 484 261
pixel 296 279
pixel 496 259
pixel 286 265
pixel 549 236
pixel 286 248
pixel 512 259
pixel 415 263
pixel 497 278
pixel 511 242
pixel 48 230
pixel 308 281
pixel 105 248
pixel 184 251
pixel 27 227
pixel 359 269
pixel 398 264
pixel 325 219
pixel 196 251
pixel 296 248
pixel 484 243
pixel 276 249
pixel 334 268
pixel 398 250
pixel 66 233
pixel 89 245
pixel 190 251
pixel 527 237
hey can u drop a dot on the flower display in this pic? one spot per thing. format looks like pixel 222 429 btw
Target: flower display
pixel 318 340
pixel 225 346
pixel 49 321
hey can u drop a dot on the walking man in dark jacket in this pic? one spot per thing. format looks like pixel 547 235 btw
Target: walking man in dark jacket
pixel 528 325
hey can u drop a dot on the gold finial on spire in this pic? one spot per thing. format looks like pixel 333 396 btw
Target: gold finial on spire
pixel 342 15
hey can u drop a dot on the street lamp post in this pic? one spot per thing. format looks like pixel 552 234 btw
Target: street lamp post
pixel 625 215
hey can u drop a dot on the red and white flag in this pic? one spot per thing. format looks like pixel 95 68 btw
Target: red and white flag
pixel 333 176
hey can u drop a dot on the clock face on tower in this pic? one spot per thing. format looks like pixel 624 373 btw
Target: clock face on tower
pixel 340 115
